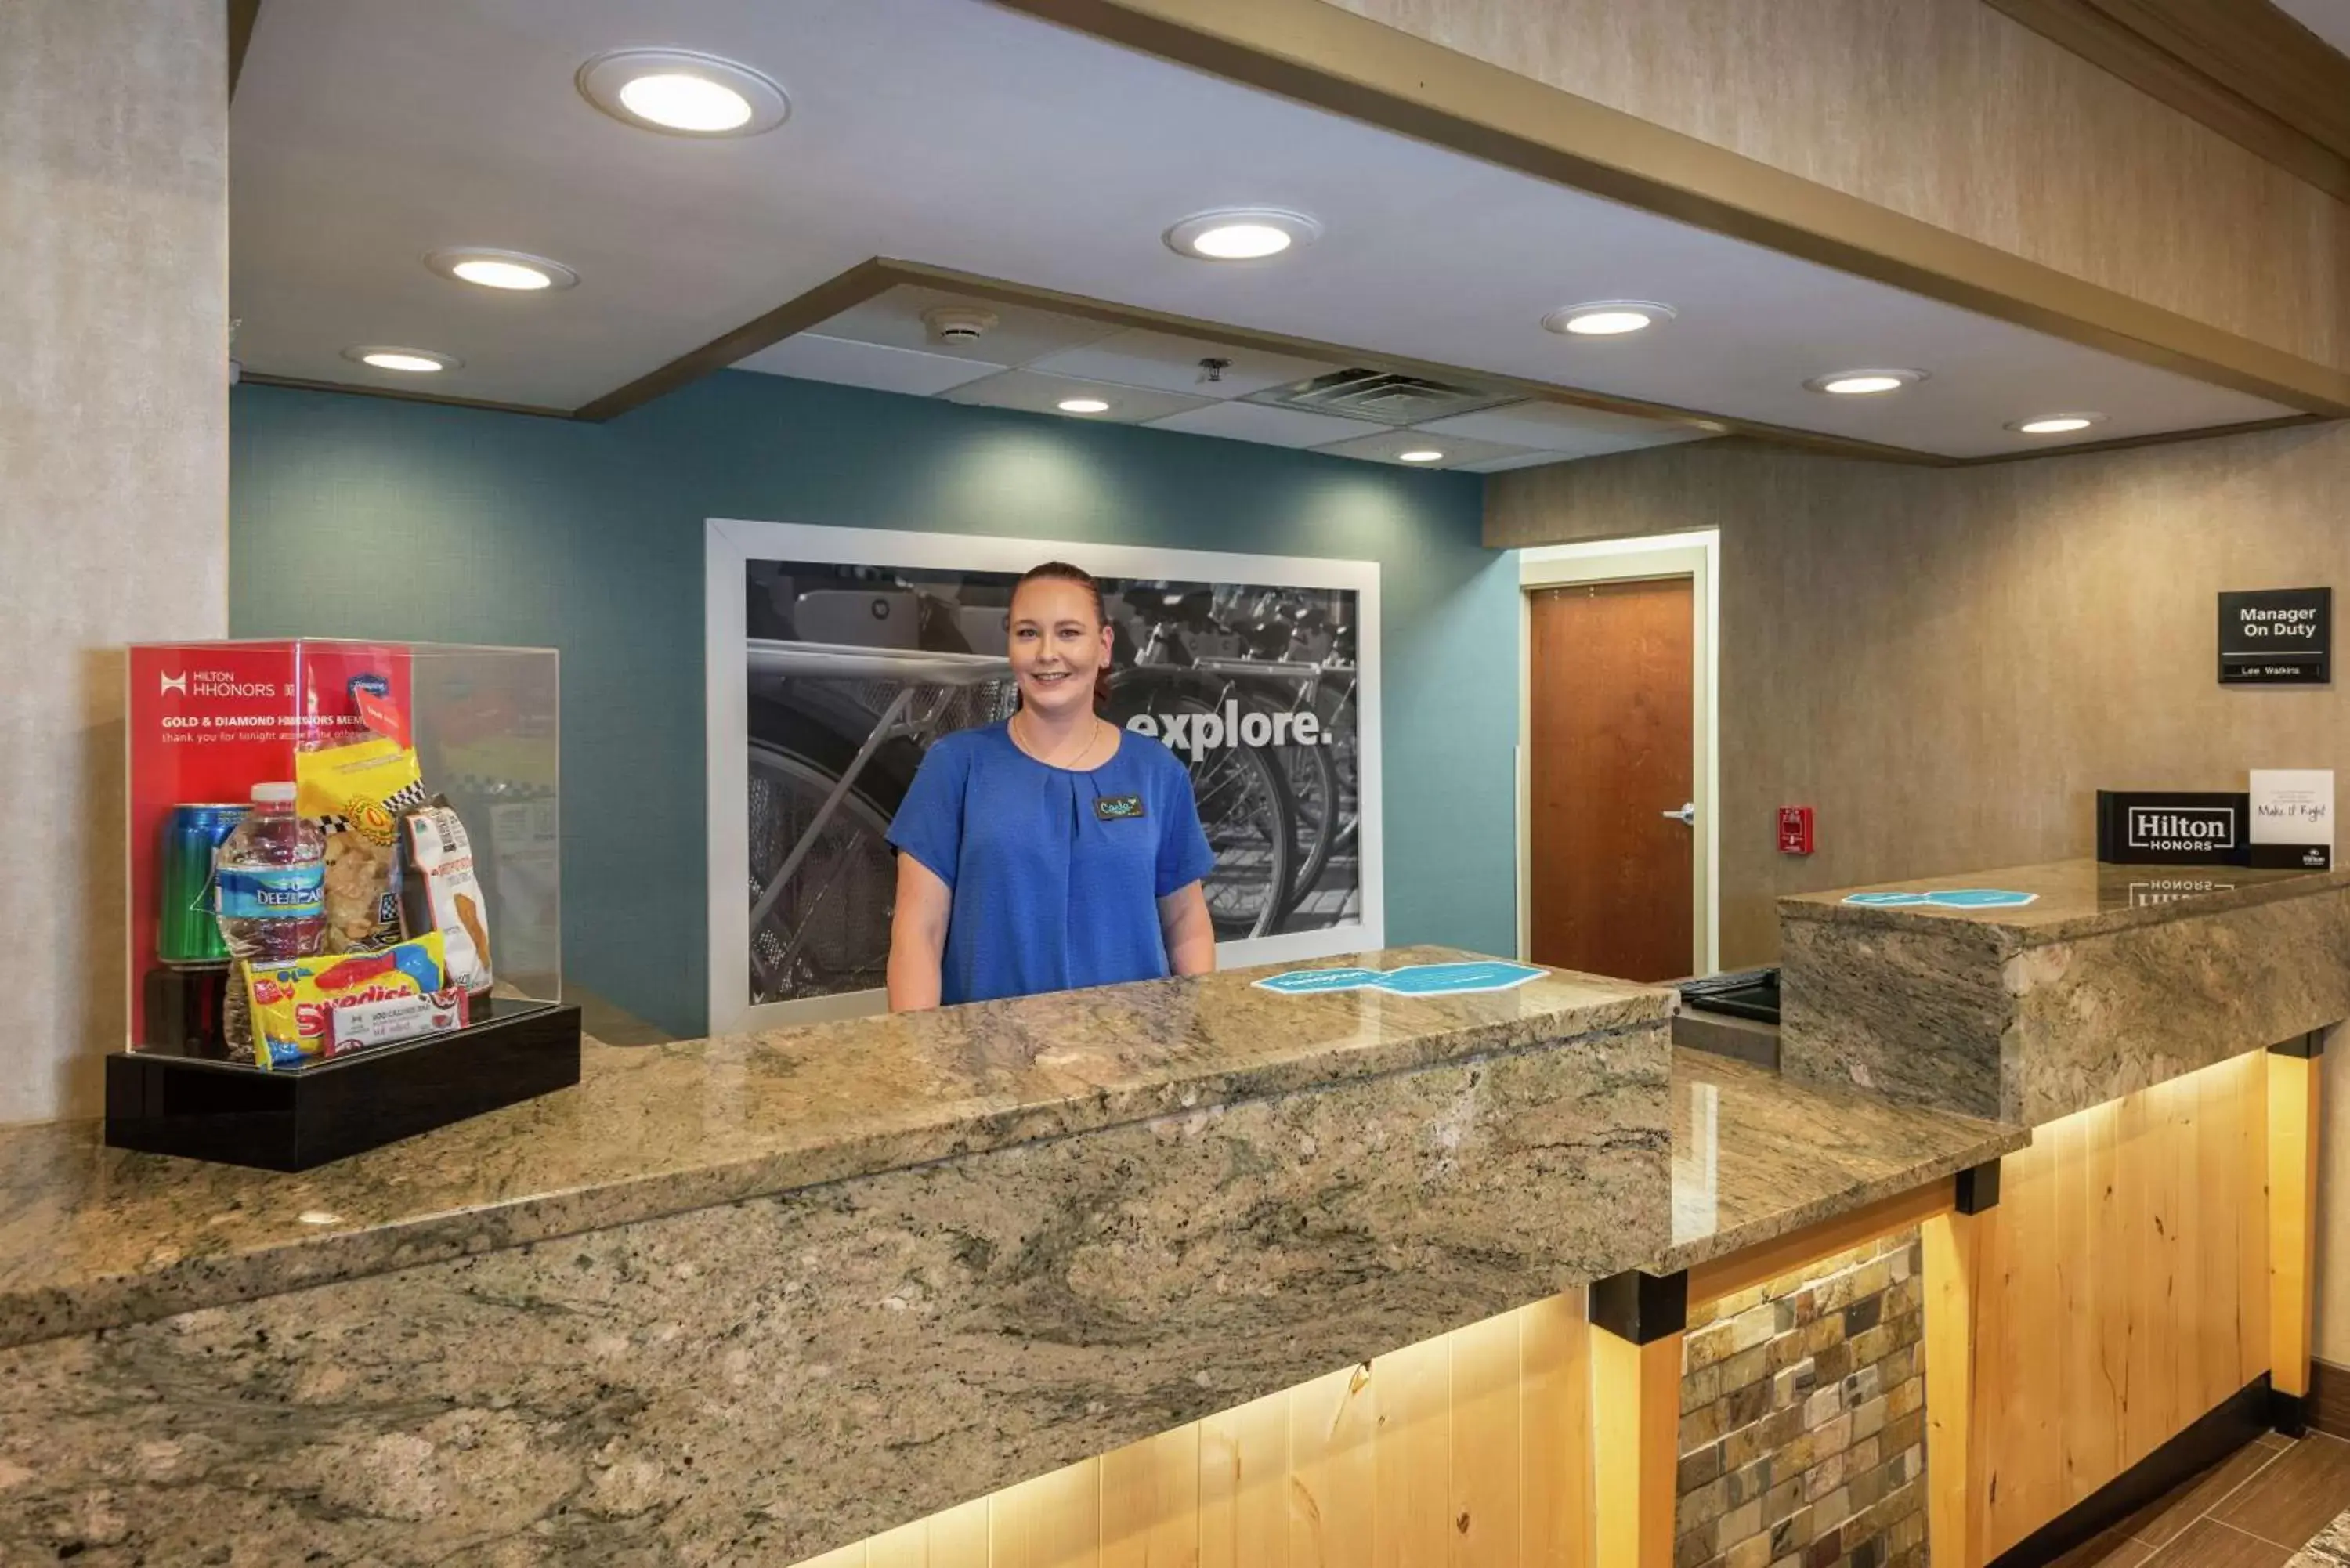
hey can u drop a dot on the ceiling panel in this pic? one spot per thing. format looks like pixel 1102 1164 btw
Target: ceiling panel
pixel 1140 358
pixel 2329 19
pixel 816 357
pixel 1388 446
pixel 1038 393
pixel 971 137
pixel 1562 429
pixel 1273 427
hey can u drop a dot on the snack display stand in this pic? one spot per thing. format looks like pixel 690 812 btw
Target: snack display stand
pixel 429 987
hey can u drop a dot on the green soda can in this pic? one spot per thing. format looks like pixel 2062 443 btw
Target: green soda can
pixel 189 932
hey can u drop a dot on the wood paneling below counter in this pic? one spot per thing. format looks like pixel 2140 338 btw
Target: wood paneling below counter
pixel 2125 1271
pixel 1470 1449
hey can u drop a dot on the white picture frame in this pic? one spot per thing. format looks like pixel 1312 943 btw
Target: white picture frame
pixel 733 545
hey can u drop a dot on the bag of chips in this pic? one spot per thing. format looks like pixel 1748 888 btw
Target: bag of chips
pixel 294 999
pixel 442 894
pixel 355 793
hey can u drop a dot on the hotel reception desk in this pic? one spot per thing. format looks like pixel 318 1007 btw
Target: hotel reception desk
pixel 1194 1272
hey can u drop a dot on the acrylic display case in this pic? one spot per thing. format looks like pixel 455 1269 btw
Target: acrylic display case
pixel 413 973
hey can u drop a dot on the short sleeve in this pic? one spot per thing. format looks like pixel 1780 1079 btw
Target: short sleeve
pixel 929 824
pixel 1184 857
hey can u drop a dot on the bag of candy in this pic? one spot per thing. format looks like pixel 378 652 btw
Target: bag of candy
pixel 295 999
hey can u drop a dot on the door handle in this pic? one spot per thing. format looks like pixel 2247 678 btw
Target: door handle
pixel 1686 815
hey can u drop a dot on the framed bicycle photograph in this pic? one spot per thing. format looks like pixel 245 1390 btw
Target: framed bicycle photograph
pixel 835 656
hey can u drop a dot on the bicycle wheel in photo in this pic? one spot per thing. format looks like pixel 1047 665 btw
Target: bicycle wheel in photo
pixel 1245 807
pixel 1334 702
pixel 827 929
pixel 1317 798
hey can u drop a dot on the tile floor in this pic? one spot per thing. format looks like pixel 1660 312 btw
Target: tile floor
pixel 2253 1510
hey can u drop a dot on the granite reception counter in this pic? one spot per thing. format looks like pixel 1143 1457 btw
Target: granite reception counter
pixel 2145 1280
pixel 749 1299
pixel 2111 979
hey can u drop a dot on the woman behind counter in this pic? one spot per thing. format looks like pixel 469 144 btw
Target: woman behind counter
pixel 1052 850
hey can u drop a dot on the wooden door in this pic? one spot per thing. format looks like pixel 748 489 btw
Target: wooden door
pixel 1609 696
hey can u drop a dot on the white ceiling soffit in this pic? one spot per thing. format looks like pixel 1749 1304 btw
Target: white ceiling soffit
pixel 2329 19
pixel 815 357
pixel 1156 378
pixel 965 136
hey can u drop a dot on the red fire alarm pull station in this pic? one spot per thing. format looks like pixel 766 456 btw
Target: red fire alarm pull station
pixel 1794 830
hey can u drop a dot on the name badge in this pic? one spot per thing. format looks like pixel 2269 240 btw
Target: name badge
pixel 1118 807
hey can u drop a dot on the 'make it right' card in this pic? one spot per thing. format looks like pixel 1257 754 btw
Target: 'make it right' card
pixel 2292 818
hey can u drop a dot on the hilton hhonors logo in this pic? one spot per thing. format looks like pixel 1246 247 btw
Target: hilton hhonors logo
pixel 2168 828
pixel 2148 828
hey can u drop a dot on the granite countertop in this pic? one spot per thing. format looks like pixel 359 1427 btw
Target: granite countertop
pixel 90 1238
pixel 2073 899
pixel 1756 1156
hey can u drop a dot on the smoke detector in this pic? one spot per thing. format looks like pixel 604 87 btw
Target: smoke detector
pixel 957 323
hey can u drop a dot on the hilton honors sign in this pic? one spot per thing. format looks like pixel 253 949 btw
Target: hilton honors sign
pixel 2170 829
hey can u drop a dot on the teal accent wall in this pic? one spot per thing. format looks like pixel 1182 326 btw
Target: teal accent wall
pixel 358 516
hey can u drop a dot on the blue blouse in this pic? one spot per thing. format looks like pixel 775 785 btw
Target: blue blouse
pixel 1057 874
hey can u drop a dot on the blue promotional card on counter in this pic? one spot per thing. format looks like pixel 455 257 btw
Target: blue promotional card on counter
pixel 1412 979
pixel 1947 898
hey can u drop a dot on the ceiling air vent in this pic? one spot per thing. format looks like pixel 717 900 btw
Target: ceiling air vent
pixel 1384 396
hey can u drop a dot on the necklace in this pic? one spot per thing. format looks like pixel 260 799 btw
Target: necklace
pixel 1029 745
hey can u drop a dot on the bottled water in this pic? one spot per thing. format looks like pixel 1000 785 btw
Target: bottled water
pixel 270 881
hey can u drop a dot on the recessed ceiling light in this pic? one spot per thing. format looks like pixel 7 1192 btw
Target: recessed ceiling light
pixel 1607 317
pixel 1084 406
pixel 684 92
pixel 1865 383
pixel 513 271
pixel 2055 424
pixel 1242 233
pixel 1423 454
pixel 414 361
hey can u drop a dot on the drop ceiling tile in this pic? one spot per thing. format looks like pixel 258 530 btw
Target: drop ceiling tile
pixel 1561 427
pixel 1022 333
pixel 1388 446
pixel 1140 358
pixel 1040 394
pixel 815 358
pixel 1522 460
pixel 2329 19
pixel 1273 427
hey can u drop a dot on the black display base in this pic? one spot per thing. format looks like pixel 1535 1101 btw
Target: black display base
pixel 162 1102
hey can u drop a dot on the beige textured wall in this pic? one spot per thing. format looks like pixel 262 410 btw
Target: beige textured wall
pixel 113 473
pixel 1949 112
pixel 1947 663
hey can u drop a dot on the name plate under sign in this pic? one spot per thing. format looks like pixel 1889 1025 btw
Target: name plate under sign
pixel 2171 827
pixel 2278 637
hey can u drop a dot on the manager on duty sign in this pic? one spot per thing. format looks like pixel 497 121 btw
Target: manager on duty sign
pixel 2277 637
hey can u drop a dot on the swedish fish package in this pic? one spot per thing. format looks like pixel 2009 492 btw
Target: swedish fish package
pixel 297 1003
pixel 355 793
